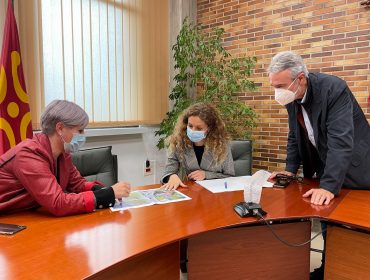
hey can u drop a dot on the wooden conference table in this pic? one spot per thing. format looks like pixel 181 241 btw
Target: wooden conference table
pixel 143 243
pixel 348 238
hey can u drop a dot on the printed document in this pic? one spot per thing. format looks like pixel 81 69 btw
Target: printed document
pixel 228 184
pixel 141 198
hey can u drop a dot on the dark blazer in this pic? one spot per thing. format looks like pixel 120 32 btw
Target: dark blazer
pixel 341 132
pixel 208 164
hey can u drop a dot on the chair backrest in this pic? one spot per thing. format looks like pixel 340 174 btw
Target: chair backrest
pixel 97 164
pixel 242 155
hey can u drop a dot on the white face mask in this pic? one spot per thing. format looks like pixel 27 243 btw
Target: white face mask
pixel 285 96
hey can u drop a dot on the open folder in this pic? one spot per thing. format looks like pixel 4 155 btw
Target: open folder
pixel 228 184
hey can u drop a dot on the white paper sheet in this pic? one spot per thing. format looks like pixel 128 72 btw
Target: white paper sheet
pixel 233 184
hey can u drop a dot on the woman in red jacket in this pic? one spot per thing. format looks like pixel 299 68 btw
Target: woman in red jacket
pixel 39 171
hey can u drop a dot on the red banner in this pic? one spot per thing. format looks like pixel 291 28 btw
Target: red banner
pixel 15 117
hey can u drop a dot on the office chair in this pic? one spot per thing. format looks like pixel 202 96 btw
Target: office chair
pixel 241 151
pixel 97 164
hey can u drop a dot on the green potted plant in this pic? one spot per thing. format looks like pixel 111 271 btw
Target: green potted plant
pixel 204 66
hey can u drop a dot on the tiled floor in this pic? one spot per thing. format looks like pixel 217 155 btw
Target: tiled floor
pixel 317 243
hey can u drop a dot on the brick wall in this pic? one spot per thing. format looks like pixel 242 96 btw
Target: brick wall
pixel 332 36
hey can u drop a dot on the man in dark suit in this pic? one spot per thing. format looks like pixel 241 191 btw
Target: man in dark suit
pixel 328 131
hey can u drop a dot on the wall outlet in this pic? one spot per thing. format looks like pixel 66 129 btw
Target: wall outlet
pixel 149 166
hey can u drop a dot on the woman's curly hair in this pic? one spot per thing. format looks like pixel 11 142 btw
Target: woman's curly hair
pixel 217 137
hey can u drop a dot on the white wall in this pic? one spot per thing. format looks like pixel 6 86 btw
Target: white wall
pixel 132 151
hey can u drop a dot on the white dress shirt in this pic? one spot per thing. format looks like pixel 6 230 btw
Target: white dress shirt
pixel 307 122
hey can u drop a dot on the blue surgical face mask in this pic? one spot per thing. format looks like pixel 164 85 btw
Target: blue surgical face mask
pixel 76 143
pixel 195 136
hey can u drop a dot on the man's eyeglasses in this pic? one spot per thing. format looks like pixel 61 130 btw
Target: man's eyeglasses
pixel 283 180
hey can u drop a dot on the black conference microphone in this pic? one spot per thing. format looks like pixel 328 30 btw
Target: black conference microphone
pixel 252 196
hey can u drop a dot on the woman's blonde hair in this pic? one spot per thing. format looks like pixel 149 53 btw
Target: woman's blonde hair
pixel 217 137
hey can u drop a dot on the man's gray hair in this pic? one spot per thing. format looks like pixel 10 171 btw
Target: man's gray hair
pixel 288 60
pixel 69 113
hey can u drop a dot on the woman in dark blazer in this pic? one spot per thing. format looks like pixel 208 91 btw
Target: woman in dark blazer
pixel 199 146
